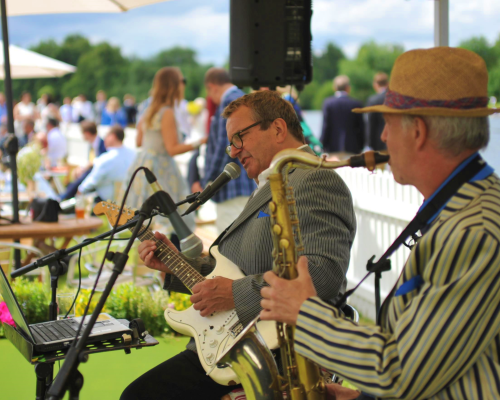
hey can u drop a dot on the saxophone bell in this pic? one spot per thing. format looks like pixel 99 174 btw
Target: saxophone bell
pixel 254 364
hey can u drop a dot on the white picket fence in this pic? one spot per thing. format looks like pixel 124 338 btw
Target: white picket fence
pixel 383 208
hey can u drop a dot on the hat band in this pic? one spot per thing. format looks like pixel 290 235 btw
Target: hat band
pixel 401 102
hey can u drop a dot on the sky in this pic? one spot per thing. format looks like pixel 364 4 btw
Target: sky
pixel 204 25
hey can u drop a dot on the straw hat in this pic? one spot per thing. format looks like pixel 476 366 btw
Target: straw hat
pixel 441 81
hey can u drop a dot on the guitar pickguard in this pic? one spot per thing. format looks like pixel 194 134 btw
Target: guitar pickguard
pixel 213 334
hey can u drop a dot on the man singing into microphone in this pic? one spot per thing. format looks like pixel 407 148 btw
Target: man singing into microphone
pixel 259 125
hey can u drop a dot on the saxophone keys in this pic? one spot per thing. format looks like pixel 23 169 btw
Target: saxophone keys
pixel 272 206
pixel 277 229
pixel 284 243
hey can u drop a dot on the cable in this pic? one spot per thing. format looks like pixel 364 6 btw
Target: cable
pixel 104 258
pixel 91 240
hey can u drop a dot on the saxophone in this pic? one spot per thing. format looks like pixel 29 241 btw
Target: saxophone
pixel 250 358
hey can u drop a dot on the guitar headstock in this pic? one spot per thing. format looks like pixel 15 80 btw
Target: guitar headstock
pixel 111 210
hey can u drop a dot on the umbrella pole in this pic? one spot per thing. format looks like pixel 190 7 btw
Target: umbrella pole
pixel 13 143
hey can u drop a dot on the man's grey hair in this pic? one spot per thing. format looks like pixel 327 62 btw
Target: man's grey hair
pixel 341 82
pixel 454 135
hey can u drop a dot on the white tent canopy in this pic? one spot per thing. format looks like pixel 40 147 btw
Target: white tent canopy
pixel 31 7
pixel 28 64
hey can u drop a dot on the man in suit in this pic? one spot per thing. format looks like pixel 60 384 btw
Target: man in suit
pixel 375 121
pixel 231 198
pixel 438 331
pixel 89 132
pixel 342 130
pixel 259 125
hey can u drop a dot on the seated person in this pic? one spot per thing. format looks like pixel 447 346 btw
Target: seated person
pixel 28 133
pixel 89 132
pixel 109 167
pixel 56 144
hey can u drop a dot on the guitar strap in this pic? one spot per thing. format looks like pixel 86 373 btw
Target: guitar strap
pixel 473 167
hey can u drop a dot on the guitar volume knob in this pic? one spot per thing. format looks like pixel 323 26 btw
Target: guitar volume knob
pixel 220 330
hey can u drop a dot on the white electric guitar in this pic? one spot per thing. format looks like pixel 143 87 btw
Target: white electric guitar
pixel 215 333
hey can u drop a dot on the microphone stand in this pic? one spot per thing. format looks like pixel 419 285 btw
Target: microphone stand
pixel 69 377
pixel 189 199
pixel 57 267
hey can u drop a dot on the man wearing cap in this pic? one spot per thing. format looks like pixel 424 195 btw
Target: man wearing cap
pixel 438 331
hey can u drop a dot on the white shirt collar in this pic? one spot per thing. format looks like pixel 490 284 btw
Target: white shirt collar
pixel 262 178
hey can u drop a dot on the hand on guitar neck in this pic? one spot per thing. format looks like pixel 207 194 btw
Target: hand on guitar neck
pixel 208 296
pixel 147 249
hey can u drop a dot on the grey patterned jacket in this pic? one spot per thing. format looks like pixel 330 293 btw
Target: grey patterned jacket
pixel 327 224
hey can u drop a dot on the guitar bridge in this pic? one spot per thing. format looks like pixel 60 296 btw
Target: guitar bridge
pixel 236 329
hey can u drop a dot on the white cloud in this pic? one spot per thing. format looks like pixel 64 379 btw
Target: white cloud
pixel 202 28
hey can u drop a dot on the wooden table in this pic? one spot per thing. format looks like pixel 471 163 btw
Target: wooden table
pixel 67 228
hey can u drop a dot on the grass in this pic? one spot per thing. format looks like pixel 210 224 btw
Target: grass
pixel 106 374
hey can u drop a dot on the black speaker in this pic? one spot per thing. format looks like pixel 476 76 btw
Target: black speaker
pixel 270 43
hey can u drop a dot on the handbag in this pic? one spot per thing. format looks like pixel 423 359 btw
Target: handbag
pixel 44 210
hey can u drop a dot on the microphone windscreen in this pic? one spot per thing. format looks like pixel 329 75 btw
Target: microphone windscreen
pixel 233 170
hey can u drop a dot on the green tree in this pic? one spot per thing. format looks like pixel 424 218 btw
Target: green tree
pixel 307 95
pixel 324 91
pixel 378 57
pixel 494 82
pixel 480 46
pixel 325 65
pixel 101 68
pixel 72 48
pixel 371 58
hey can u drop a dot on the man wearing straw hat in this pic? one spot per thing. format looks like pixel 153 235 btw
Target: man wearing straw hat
pixel 438 331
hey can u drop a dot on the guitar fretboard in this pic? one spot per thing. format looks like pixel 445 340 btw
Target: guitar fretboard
pixel 179 267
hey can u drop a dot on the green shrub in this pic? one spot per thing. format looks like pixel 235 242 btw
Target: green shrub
pixel 34 299
pixel 125 301
pixel 129 302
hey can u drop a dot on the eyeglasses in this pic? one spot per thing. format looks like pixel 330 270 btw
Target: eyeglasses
pixel 236 141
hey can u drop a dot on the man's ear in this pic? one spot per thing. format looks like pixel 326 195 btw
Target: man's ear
pixel 281 129
pixel 420 133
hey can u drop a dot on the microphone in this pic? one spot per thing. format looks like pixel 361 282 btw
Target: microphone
pixel 231 171
pixel 191 245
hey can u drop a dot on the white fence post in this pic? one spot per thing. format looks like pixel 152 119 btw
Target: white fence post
pixel 383 208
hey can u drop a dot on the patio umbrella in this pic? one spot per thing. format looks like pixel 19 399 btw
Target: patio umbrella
pixel 30 7
pixel 28 64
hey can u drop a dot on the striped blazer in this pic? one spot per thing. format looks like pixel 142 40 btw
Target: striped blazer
pixel 327 224
pixel 440 340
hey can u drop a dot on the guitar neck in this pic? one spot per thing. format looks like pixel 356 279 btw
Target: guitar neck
pixel 174 262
